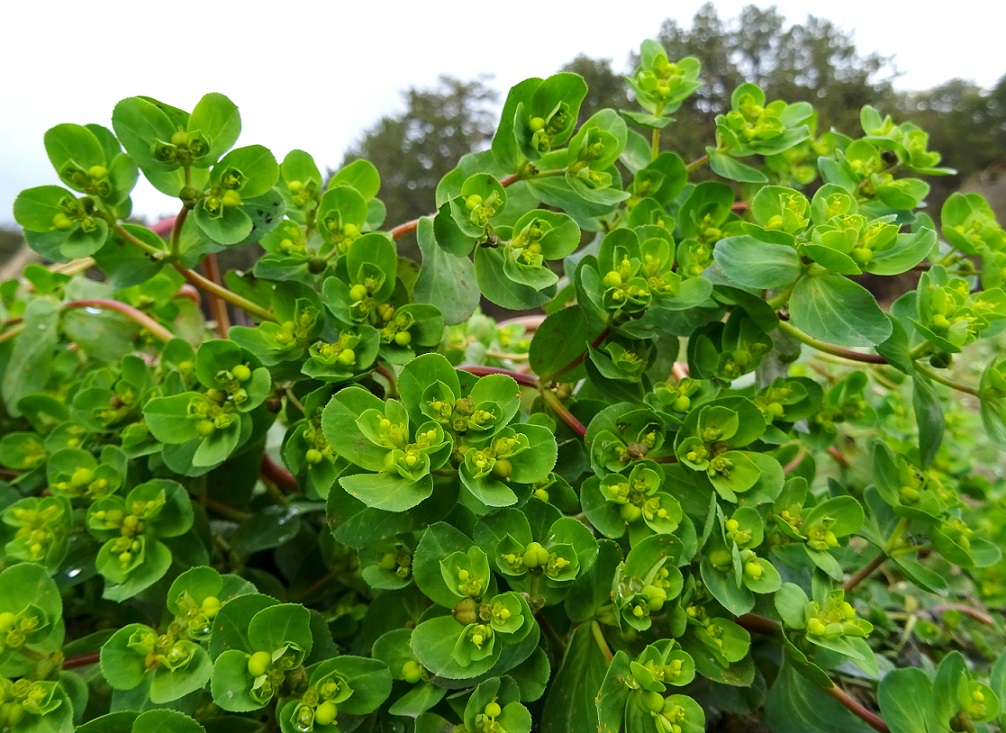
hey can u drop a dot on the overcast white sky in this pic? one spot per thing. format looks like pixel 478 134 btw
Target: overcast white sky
pixel 314 75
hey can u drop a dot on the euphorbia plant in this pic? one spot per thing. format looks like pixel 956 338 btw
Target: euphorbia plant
pixel 713 479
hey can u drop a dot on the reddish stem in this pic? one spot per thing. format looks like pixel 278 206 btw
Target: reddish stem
pixel 578 359
pixel 81 661
pixel 839 456
pixel 407 228
pixel 525 380
pixel 138 317
pixel 857 708
pixel 529 323
pixel 277 474
pixel 864 572
pixel 211 268
pixel 187 291
pixel 759 624
pixel 164 226
pixel 797 460
pixel 410 226
pixel 966 610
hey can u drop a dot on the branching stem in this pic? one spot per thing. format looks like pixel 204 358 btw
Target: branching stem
pixel 223 293
pixel 827 348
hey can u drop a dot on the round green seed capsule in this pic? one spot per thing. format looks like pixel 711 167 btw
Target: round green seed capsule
pixel 358 292
pixel 403 338
pixel 325 713
pixel 412 672
pixel 536 124
pixel 493 710
pixel 259 663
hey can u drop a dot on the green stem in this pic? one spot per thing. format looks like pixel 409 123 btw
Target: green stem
pixel 557 641
pixel 782 298
pixel 207 285
pixel 827 348
pixel 73 267
pixel 227 511
pixel 919 351
pixel 602 643
pixel 655 143
pixel 560 410
pixel 697 163
pixel 899 531
pixel 937 377
pixel 157 254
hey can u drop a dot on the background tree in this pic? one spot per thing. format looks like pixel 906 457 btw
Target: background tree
pixel 605 86
pixel 814 61
pixel 966 124
pixel 416 148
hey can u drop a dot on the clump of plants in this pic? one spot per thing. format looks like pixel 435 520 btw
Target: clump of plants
pixel 713 483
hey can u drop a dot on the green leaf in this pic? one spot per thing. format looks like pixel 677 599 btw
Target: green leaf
pixel 139 125
pixel 274 627
pixel 754 263
pixel 903 698
pixel 835 309
pixel 795 705
pixel 500 289
pixel 929 417
pixel 231 683
pixel 732 169
pixel 31 362
pixel 218 119
pixel 570 705
pixel 387 491
pixel 439 541
pixel 445 280
pixel 559 341
pixel 229 225
pixel 256 165
pixel 360 175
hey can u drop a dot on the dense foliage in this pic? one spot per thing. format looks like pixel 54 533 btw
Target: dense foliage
pixel 715 479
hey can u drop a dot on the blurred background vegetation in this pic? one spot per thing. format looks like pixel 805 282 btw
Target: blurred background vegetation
pixel 815 61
